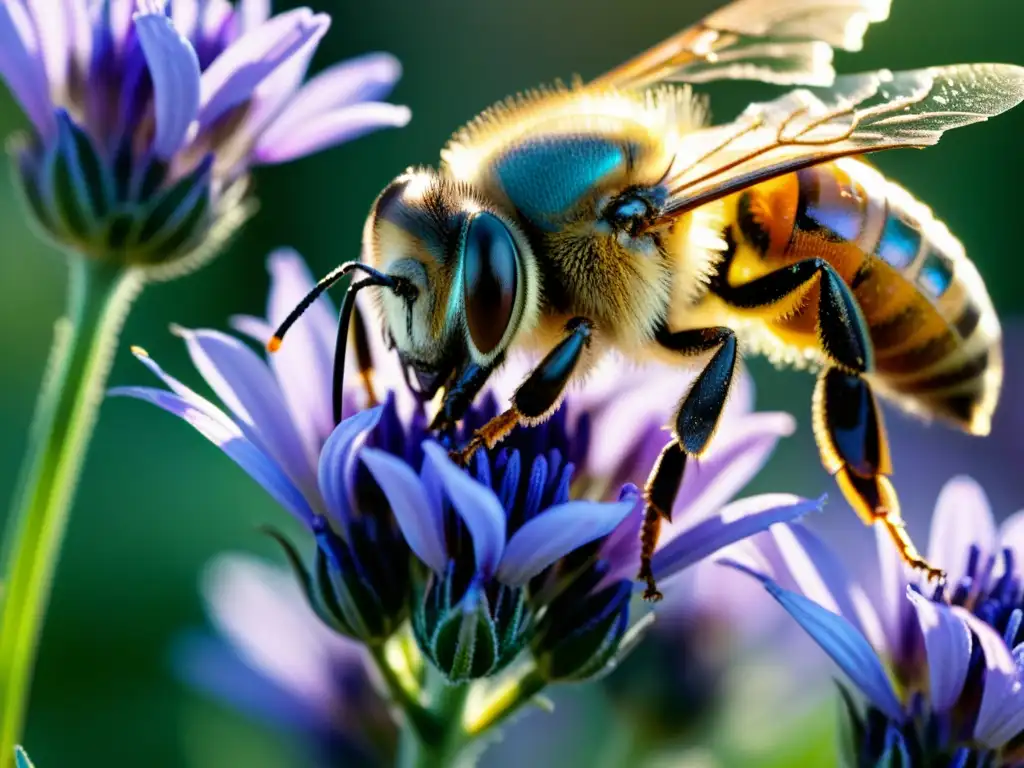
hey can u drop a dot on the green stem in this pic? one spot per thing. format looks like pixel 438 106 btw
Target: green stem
pixel 420 720
pixel 84 342
pixel 506 702
pixel 440 748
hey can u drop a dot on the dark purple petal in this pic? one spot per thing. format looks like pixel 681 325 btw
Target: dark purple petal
pixel 1002 699
pixel 338 464
pixel 419 519
pixel 244 383
pixel 283 144
pixel 845 645
pixel 1011 536
pixel 234 75
pixel 556 532
pixel 216 427
pixel 174 67
pixel 476 504
pixel 947 642
pixel 962 518
pixel 734 522
pixel 23 69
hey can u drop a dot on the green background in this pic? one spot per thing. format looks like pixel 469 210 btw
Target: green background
pixel 156 501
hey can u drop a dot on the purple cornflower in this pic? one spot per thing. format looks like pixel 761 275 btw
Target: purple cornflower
pixel 939 667
pixel 147 116
pixel 275 660
pixel 509 557
pixel 276 433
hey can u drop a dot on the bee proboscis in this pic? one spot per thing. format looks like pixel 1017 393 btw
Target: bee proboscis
pixel 610 215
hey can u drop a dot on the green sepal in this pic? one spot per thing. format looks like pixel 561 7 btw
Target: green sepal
pixel 578 639
pixel 82 190
pixel 176 217
pixel 316 599
pixel 465 643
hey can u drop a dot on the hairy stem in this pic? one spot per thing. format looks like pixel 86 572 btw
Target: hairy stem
pixel 99 298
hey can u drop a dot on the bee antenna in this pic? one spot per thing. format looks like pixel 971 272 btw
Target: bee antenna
pixel 399 285
pixel 326 282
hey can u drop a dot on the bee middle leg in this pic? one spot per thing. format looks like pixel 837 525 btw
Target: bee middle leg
pixel 695 422
pixel 848 424
pixel 539 395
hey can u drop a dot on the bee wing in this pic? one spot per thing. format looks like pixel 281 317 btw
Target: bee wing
pixel 859 114
pixel 787 42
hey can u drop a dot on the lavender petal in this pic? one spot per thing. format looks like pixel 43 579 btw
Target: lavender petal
pixel 845 645
pixel 419 519
pixel 476 504
pixel 305 363
pixel 53 30
pixel 174 67
pixel 962 518
pixel 244 383
pixel 23 69
pixel 819 574
pixel 948 644
pixel 234 75
pixel 730 464
pixel 1002 699
pixel 252 13
pixel 281 145
pixel 216 427
pixel 733 522
pixel 365 78
pixel 338 464
pixel 555 533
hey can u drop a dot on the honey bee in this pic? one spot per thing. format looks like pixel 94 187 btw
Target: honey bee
pixel 611 215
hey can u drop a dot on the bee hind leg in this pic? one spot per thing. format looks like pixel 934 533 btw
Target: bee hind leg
pixel 851 438
pixel 696 420
pixel 538 396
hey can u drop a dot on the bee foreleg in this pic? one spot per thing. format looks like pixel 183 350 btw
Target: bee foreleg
pixel 459 395
pixel 851 438
pixel 695 422
pixel 541 393
pixel 841 327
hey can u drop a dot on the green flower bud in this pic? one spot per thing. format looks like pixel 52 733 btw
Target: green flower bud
pixel 473 636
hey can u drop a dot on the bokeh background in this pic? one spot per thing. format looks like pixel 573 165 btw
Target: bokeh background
pixel 156 501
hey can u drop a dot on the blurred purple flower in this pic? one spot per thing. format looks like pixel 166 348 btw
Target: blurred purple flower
pixel 147 116
pixel 939 667
pixel 274 659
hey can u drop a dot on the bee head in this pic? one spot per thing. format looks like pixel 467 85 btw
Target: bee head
pixel 472 269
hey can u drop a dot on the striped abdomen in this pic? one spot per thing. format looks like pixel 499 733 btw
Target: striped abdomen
pixel 936 337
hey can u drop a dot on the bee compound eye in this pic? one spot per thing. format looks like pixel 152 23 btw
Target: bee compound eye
pixel 489 280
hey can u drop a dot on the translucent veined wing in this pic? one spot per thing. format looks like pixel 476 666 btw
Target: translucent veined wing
pixel 787 42
pixel 860 113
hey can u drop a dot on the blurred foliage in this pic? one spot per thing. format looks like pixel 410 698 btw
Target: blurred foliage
pixel 156 501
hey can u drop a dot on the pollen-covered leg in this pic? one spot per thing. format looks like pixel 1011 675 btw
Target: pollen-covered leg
pixel 538 396
pixel 851 438
pixel 695 424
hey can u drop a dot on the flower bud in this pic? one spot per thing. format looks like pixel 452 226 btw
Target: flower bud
pixel 123 209
pixel 578 635
pixel 473 636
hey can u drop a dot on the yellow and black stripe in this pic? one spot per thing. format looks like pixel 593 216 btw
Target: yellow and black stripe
pixel 935 334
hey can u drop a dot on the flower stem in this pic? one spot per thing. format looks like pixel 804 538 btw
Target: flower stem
pixel 420 720
pixel 84 342
pixel 506 702
pixel 441 747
